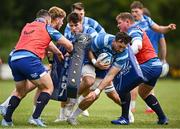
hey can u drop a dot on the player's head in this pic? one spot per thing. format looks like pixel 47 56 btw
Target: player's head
pixel 146 12
pixel 124 21
pixel 75 22
pixel 45 15
pixel 121 41
pixel 137 10
pixel 57 16
pixel 78 8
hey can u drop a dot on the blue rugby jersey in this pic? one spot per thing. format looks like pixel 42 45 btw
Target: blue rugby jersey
pixel 87 22
pixel 146 24
pixel 103 43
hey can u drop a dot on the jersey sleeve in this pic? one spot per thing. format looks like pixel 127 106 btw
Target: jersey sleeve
pixel 94 24
pixel 92 32
pixel 54 34
pixel 100 41
pixel 149 20
pixel 121 59
pixel 136 34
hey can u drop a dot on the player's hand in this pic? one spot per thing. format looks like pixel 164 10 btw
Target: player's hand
pixel 101 65
pixel 172 26
pixel 60 56
pixel 91 96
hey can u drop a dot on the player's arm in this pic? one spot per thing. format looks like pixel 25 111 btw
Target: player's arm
pixel 96 63
pixel 105 82
pixel 109 77
pixel 163 29
pixel 136 42
pixel 59 38
pixel 65 43
pixel 163 49
pixel 52 47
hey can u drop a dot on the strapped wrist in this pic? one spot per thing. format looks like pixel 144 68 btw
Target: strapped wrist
pixel 94 61
pixel 97 91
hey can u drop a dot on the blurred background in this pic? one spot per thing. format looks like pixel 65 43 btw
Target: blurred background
pixel 14 14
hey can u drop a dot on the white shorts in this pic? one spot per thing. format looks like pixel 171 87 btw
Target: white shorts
pixel 88 70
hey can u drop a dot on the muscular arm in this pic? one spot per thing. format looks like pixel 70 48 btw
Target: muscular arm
pixel 52 47
pixel 66 43
pixel 92 96
pixel 109 77
pixel 163 29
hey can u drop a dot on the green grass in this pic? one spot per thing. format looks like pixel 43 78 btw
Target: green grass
pixel 103 110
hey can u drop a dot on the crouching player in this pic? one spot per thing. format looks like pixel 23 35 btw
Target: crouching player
pixel 117 46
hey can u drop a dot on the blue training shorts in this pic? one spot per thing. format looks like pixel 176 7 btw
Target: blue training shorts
pixel 151 71
pixel 30 68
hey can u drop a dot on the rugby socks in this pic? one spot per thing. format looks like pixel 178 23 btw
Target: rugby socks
pixel 13 104
pixel 153 103
pixel 6 102
pixel 80 99
pixel 62 113
pixel 76 113
pixel 125 103
pixel 132 105
pixel 42 100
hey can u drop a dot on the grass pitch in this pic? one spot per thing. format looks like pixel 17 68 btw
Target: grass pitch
pixel 102 111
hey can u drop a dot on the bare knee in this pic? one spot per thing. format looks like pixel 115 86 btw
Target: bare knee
pixel 88 81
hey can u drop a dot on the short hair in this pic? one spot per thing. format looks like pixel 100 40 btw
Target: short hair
pixel 123 37
pixel 146 12
pixel 42 13
pixel 78 5
pixel 124 16
pixel 74 17
pixel 136 4
pixel 57 12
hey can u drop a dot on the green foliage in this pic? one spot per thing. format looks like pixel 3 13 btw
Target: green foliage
pixel 8 39
pixel 102 111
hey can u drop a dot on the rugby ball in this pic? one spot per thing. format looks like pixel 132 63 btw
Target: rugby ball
pixel 165 69
pixel 105 58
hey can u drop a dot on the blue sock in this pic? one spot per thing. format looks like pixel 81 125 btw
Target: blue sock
pixel 13 104
pixel 42 100
pixel 153 103
pixel 125 103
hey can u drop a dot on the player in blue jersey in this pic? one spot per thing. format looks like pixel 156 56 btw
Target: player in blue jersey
pixel 152 29
pixel 42 17
pixel 149 63
pixel 87 21
pixel 116 45
pixel 76 26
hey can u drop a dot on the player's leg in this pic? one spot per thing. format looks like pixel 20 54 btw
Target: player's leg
pixel 125 104
pixel 152 102
pixel 113 95
pixel 88 79
pixel 62 114
pixel 148 110
pixel 29 87
pixel 152 73
pixel 14 102
pixel 134 94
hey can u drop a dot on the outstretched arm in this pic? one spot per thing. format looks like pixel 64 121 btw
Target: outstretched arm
pixel 164 29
